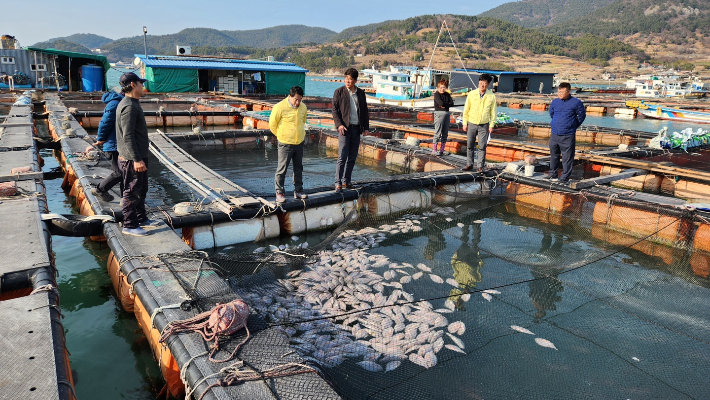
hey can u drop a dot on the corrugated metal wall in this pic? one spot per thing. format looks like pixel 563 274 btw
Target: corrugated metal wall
pixel 23 59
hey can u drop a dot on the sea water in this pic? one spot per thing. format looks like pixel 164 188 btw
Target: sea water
pixel 612 349
pixel 601 318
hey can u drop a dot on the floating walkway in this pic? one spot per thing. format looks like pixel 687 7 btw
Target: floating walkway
pixel 35 362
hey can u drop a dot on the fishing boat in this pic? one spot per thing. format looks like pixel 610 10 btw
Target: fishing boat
pixel 675 114
pixel 122 65
pixel 409 86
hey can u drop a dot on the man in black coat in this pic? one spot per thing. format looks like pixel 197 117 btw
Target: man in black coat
pixel 351 119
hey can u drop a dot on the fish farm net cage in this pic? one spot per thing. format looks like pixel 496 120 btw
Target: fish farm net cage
pixel 508 292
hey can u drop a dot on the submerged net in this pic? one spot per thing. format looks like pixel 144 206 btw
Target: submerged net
pixel 484 290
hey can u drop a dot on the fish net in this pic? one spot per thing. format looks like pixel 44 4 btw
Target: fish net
pixel 485 289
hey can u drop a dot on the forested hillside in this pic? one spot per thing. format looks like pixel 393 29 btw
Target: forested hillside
pixel 88 40
pixel 61 44
pixel 478 39
pixel 677 21
pixel 277 36
pixel 478 36
pixel 540 13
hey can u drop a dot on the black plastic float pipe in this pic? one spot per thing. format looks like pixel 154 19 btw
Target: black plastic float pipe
pixel 177 348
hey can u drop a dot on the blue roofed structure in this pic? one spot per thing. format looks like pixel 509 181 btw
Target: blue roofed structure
pixel 228 75
pixel 509 81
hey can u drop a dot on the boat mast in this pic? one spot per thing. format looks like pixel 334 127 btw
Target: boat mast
pixel 445 25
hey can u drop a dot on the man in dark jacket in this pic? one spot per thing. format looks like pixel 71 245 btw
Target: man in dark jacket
pixel 567 115
pixel 133 152
pixel 351 119
pixel 107 137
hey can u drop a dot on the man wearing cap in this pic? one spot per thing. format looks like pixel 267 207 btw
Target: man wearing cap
pixel 132 142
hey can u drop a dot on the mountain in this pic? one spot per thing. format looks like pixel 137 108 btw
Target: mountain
pixel 61 44
pixel 477 36
pixel 277 36
pixel 356 31
pixel 88 40
pixel 539 13
pixel 678 20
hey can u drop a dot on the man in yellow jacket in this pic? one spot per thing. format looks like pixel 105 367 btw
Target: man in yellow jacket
pixel 287 122
pixel 479 118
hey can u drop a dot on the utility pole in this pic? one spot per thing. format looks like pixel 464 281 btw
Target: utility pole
pixel 145 46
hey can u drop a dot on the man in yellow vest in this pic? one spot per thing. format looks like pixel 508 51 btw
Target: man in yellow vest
pixel 287 123
pixel 479 118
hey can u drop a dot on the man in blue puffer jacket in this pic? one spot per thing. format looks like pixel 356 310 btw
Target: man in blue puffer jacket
pixel 107 138
pixel 567 115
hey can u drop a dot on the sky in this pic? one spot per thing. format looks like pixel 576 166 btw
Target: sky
pixel 124 18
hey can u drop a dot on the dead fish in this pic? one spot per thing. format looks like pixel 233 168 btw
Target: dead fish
pixel 449 219
pixel 457 327
pixel 228 248
pixel 487 296
pixel 259 249
pixel 465 296
pixel 417 275
pixel 452 282
pixel 635 359
pixel 545 343
pixel 491 291
pixel 294 238
pixel 454 348
pixel 436 278
pixel 392 365
pixel 423 267
pixel 405 279
pixel 457 341
pixel 460 225
pixel 449 304
pixel 521 329
pixel 370 366
pixel 479 221
pixel 417 359
pixel 272 247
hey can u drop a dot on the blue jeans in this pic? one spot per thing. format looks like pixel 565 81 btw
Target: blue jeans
pixel 348 146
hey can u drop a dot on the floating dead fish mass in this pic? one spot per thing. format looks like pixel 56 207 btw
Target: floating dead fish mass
pixel 344 306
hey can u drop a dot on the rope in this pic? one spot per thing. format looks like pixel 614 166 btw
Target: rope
pixel 160 309
pixel 183 376
pixel 45 288
pixel 236 374
pixel 71 387
pixel 222 320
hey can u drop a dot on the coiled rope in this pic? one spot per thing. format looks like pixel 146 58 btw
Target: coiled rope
pixel 222 320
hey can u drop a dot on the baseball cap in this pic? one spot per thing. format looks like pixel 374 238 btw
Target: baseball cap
pixel 129 77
